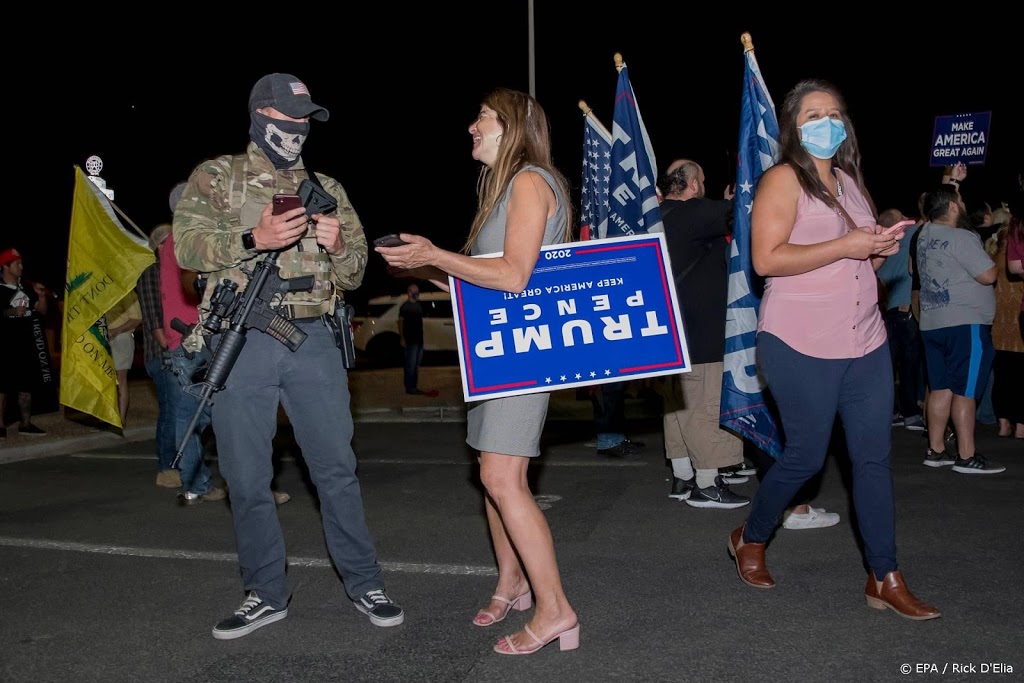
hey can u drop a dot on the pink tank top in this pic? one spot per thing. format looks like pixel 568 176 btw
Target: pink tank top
pixel 831 312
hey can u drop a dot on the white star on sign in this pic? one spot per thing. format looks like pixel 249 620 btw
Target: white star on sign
pixel 607 372
pixel 579 376
pixel 593 374
pixel 548 380
pixel 562 378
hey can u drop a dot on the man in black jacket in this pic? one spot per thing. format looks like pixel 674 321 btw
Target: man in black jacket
pixel 697 231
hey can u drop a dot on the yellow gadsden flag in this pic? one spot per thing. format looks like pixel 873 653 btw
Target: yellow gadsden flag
pixel 104 264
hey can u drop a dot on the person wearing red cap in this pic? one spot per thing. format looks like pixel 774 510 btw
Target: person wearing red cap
pixel 19 304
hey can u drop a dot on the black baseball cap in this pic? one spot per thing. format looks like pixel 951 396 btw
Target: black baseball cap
pixel 288 95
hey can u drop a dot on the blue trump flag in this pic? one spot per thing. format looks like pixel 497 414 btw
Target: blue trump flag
pixel 597 169
pixel 633 203
pixel 743 408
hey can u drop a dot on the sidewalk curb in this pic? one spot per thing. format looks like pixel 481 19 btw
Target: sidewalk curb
pixel 76 443
pixel 557 412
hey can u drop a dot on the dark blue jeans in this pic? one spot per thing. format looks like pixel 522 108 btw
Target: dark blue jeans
pixel 195 475
pixel 413 358
pixel 809 392
pixel 905 348
pixel 166 386
pixel 610 414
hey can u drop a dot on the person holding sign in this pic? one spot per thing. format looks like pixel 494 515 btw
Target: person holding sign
pixel 523 205
pixel 821 341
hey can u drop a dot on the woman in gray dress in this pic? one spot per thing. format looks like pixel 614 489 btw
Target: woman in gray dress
pixel 523 205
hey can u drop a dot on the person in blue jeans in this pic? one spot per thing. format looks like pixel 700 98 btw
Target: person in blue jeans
pixel 821 341
pixel 196 479
pixel 609 402
pixel 157 361
pixel 901 327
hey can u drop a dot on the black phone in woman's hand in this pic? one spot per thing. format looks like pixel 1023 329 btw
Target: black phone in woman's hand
pixel 392 240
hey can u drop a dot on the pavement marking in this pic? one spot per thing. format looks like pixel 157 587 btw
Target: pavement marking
pixel 405 567
pixel 390 461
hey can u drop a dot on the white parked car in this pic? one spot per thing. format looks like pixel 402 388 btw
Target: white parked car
pixel 376 333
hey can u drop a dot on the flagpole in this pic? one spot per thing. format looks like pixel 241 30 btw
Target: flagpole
pixel 619 63
pixel 588 112
pixel 119 212
pixel 129 220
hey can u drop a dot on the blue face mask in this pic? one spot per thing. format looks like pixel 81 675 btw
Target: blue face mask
pixel 821 138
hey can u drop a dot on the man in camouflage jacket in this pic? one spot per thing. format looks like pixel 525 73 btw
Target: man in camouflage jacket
pixel 224 221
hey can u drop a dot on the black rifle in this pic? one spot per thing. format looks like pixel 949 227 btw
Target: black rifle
pixel 249 310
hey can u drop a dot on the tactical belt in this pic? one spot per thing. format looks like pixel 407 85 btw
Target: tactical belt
pixel 305 311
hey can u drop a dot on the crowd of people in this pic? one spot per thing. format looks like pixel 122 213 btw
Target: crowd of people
pixel 868 316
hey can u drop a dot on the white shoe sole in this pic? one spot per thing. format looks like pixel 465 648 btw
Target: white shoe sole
pixel 734 479
pixel 679 496
pixel 714 504
pixel 969 470
pixel 377 621
pixel 817 523
pixel 249 628
pixel 938 463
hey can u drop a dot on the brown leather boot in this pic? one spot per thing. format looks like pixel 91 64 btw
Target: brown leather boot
pixel 749 561
pixel 895 595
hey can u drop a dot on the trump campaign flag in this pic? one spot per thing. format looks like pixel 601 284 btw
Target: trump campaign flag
pixel 633 202
pixel 597 169
pixel 743 408
pixel 104 264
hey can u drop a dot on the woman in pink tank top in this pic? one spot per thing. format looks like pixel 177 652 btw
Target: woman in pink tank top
pixel 821 343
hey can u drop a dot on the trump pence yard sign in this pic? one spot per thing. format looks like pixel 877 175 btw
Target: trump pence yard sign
pixel 593 312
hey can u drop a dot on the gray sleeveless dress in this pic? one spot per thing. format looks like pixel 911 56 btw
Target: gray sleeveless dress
pixel 512 425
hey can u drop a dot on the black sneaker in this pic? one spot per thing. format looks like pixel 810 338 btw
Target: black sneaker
pixel 253 614
pixel 681 488
pixel 933 459
pixel 717 496
pixel 897 420
pixel 624 449
pixel 976 465
pixel 635 444
pixel 381 609
pixel 31 430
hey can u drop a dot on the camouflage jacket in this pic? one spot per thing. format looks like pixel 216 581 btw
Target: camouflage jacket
pixel 216 208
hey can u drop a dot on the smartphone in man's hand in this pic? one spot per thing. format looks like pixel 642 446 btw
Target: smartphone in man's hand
pixel 284 203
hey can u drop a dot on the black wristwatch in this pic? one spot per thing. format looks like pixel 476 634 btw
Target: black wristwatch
pixel 248 241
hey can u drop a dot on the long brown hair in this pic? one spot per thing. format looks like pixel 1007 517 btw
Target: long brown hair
pixel 792 152
pixel 525 139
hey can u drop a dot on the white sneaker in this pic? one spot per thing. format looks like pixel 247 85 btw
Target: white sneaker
pixel 817 518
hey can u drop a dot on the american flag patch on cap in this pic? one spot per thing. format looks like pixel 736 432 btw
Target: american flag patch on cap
pixel 298 88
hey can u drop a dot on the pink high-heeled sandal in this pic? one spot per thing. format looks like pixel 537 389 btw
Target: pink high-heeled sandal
pixel 519 604
pixel 568 639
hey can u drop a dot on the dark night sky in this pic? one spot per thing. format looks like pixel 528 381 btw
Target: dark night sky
pixel 402 87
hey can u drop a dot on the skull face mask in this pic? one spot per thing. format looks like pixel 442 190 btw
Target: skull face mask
pixel 280 140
